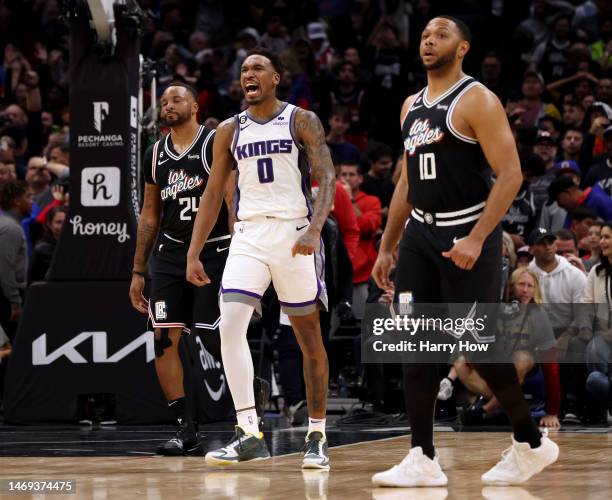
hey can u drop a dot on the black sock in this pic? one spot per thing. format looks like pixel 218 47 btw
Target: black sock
pixel 421 385
pixel 177 407
pixel 502 379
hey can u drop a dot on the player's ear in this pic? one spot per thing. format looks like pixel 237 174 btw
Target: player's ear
pixel 463 49
pixel 194 108
pixel 277 78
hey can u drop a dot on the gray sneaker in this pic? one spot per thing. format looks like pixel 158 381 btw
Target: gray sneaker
pixel 315 452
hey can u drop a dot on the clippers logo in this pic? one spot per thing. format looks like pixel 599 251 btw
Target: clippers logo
pixel 100 186
pixel 100 113
pixel 420 134
pixel 160 310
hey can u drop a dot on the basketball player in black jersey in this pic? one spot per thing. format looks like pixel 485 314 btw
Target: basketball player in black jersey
pixel 176 172
pixel 455 131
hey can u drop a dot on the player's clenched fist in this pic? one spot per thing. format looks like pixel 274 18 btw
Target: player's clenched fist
pixel 195 273
pixel 306 244
pixel 464 253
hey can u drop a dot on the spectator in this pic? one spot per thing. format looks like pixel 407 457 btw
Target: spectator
pixel 561 282
pixel 369 218
pixel 604 91
pixel 564 191
pixel 600 173
pixel 490 76
pixel 346 91
pixel 553 217
pixel 567 246
pixel 523 257
pixel 345 216
pixel 7 172
pixel 341 150
pixel 532 106
pixel 520 219
pixel 323 52
pixel 276 36
pixel 594 256
pixel 377 181
pixel 45 247
pixel 16 203
pixel 39 179
pixel 571 146
pixel 573 114
pixel 546 149
pixel 580 221
pixel 597 324
pixel 551 56
pixel 562 288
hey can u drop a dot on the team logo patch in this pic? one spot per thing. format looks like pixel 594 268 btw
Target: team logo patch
pixel 160 310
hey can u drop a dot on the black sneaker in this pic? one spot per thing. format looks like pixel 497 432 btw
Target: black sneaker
pixel 185 442
pixel 241 448
pixel 315 452
pixel 261 388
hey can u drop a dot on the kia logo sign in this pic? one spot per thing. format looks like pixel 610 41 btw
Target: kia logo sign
pixel 41 357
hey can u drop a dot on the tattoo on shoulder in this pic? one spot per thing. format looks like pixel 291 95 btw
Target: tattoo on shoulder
pixel 227 126
pixel 307 124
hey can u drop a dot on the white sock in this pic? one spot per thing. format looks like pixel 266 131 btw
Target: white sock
pixel 237 361
pixel 247 419
pixel 316 424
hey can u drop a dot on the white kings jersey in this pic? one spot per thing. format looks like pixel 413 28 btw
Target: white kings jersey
pixel 273 177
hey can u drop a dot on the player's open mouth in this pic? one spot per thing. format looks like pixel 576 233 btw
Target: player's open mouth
pixel 251 89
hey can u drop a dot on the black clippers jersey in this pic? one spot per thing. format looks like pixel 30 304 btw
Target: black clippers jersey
pixel 182 180
pixel 447 171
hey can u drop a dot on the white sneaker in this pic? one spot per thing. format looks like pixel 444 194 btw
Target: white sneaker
pixel 520 462
pixel 446 389
pixel 415 470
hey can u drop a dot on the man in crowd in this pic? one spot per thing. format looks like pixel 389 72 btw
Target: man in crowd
pixel 369 218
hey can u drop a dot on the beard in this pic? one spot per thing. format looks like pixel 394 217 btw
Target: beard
pixel 443 60
pixel 175 122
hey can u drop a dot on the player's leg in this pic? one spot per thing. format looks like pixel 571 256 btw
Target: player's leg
pixel 169 312
pixel 300 286
pixel 207 316
pixel 483 285
pixel 416 279
pixel 307 330
pixel 244 282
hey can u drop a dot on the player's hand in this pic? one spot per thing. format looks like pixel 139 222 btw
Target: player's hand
pixel 15 312
pixel 306 244
pixel 465 252
pixel 550 422
pixel 136 296
pixel 382 269
pixel 196 274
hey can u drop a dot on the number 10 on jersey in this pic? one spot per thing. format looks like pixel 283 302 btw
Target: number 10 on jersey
pixel 427 166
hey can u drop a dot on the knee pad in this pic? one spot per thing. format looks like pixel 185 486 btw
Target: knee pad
pixel 161 342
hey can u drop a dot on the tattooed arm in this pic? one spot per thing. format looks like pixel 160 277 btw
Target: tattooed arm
pixel 148 227
pixel 210 203
pixel 311 135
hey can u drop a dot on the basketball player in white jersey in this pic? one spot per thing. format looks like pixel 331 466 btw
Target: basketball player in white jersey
pixel 274 146
pixel 455 134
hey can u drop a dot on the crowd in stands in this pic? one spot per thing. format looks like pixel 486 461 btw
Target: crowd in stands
pixel 353 63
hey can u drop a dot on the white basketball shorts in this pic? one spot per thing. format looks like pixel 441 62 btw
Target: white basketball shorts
pixel 260 252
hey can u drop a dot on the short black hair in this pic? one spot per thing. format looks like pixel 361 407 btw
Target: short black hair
pixel 378 151
pixel 274 59
pixel 190 89
pixel 10 191
pixel 573 129
pixel 581 213
pixel 566 235
pixel 461 26
pixel 342 111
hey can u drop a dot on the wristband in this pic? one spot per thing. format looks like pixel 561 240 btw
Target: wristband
pixel 143 274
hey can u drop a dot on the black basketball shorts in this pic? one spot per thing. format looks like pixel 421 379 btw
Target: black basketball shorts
pixel 176 303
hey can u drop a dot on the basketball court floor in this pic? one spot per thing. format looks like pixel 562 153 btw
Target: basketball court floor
pixel 118 463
